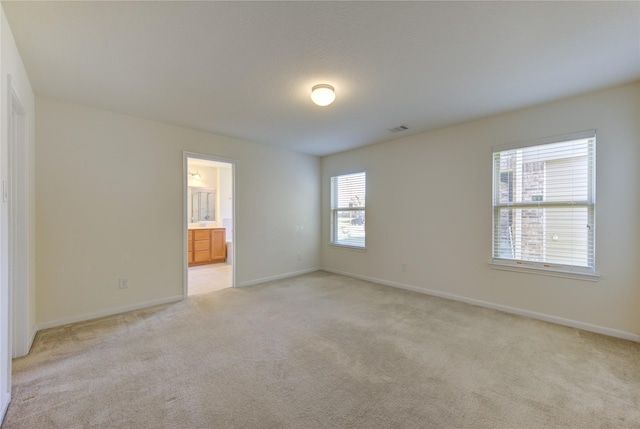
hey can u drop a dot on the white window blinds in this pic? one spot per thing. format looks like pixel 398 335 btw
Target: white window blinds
pixel 348 194
pixel 544 204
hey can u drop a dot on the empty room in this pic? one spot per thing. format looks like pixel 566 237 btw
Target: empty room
pixel 319 214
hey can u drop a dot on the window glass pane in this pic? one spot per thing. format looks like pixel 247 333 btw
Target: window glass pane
pixel 349 229
pixel 349 191
pixel 549 235
pixel 348 209
pixel 552 172
pixel 544 206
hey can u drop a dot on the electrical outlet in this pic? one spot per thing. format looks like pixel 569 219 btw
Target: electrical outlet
pixel 403 267
pixel 124 283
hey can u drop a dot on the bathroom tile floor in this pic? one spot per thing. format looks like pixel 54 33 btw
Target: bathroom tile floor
pixel 209 278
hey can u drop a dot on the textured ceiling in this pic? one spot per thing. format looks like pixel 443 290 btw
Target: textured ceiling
pixel 245 69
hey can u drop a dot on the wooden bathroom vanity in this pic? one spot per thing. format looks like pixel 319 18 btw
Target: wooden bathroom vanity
pixel 207 246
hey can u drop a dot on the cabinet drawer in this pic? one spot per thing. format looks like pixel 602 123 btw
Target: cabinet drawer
pixel 201 234
pixel 190 260
pixel 201 245
pixel 201 256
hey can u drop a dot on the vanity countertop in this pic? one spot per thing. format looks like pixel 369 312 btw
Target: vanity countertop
pixel 209 226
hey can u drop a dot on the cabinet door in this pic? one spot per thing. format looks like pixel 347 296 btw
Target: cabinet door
pixel 218 245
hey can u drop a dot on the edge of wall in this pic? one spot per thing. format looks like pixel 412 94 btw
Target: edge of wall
pixel 504 308
pixel 105 313
pixel 278 277
pixel 3 409
pixel 32 338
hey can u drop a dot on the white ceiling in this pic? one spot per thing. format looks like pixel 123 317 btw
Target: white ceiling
pixel 245 69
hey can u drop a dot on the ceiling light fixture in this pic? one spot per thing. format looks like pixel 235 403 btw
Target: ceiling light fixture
pixel 323 94
pixel 196 175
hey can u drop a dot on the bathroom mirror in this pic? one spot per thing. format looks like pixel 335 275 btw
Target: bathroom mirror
pixel 201 204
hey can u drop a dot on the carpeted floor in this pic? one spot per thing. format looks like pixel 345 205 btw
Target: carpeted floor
pixel 324 351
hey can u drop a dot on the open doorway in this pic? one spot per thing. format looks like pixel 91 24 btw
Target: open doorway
pixel 209 227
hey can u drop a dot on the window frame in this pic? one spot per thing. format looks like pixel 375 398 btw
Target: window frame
pixel 335 210
pixel 554 269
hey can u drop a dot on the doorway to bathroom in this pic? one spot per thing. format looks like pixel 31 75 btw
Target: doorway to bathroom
pixel 209 207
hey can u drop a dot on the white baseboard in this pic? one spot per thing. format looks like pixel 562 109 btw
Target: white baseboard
pixel 278 277
pixel 110 312
pixel 505 308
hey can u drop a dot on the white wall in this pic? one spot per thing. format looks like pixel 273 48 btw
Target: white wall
pixel 208 177
pixel 429 205
pixel 11 65
pixel 95 168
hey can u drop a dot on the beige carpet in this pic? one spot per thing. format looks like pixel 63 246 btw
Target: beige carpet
pixel 324 351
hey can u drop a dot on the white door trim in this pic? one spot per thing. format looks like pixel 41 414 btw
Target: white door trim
pixel 185 185
pixel 18 222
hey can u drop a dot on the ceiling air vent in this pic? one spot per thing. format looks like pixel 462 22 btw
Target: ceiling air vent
pixel 398 129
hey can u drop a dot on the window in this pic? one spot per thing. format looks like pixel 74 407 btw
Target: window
pixel 544 204
pixel 348 209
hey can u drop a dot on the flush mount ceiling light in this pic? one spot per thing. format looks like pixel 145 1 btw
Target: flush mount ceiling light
pixel 195 176
pixel 323 94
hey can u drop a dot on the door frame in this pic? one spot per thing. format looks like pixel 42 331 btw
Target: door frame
pixel 185 218
pixel 14 241
pixel 18 211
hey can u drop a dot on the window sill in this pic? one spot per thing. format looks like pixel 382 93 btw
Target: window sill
pixel 545 272
pixel 347 247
